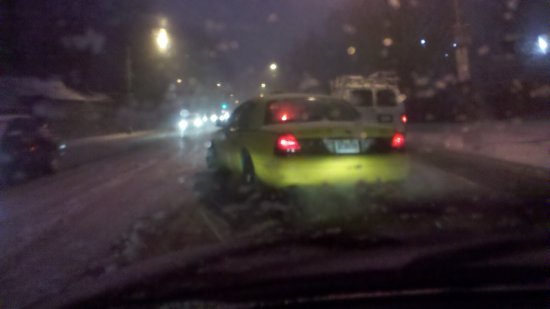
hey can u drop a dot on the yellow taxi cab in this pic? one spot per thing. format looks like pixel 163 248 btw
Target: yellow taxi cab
pixel 288 140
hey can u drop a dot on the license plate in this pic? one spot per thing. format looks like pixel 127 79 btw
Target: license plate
pixel 346 146
pixel 385 118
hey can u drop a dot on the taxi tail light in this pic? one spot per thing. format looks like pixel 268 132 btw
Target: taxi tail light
pixel 398 141
pixel 287 144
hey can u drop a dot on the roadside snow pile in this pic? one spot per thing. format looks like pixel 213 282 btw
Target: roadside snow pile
pixel 11 88
pixel 516 141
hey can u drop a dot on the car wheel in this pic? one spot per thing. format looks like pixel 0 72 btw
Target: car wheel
pixel 248 176
pixel 52 164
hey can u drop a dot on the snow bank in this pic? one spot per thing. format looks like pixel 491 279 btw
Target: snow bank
pixel 516 141
pixel 13 87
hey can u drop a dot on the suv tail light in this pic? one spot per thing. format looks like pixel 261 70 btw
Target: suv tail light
pixel 398 141
pixel 287 144
pixel 404 118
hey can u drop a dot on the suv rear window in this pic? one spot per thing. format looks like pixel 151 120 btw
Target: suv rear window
pixel 361 97
pixel 304 110
pixel 386 98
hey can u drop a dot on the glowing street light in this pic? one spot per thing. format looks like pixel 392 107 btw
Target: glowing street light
pixel 423 42
pixel 218 85
pixel 273 66
pixel 542 43
pixel 179 81
pixel 263 85
pixel 162 40
pixel 351 50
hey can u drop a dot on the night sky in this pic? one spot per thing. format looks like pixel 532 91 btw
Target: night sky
pixel 264 29
pixel 246 34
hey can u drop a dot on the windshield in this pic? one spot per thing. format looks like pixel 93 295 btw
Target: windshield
pixel 328 134
pixel 303 110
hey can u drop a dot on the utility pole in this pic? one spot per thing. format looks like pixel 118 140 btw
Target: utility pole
pixel 129 76
pixel 462 40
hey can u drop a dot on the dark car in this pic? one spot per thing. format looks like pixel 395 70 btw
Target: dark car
pixel 27 148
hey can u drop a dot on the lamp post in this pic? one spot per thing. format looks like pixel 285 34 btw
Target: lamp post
pixel 162 42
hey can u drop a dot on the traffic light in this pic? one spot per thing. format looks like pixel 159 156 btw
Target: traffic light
pixel 224 105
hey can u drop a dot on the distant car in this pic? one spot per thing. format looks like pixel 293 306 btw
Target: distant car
pixel 377 98
pixel 26 148
pixel 290 140
pixel 193 124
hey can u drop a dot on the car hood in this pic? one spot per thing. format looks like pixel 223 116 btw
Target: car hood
pixel 292 266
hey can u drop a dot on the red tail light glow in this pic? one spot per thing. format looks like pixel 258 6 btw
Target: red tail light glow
pixel 287 143
pixel 404 118
pixel 398 141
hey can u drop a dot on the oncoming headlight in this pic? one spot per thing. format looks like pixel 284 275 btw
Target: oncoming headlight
pixel 183 124
pixel 198 122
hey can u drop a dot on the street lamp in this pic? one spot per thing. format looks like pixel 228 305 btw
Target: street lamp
pixel 218 84
pixel 263 85
pixel 542 43
pixel 273 66
pixel 162 39
pixel 179 81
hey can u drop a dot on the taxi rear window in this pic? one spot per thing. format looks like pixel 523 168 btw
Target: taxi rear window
pixel 304 110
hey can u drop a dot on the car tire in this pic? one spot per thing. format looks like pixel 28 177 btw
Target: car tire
pixel 248 175
pixel 52 164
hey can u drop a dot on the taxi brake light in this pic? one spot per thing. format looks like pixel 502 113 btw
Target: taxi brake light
pixel 398 141
pixel 287 143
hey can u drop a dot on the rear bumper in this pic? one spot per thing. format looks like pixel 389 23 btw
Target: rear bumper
pixel 283 172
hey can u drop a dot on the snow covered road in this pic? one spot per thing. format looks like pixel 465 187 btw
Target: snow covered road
pixel 156 197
